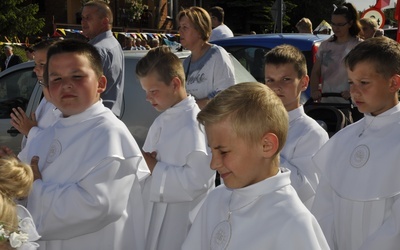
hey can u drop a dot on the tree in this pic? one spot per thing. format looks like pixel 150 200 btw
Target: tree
pixel 244 16
pixel 17 19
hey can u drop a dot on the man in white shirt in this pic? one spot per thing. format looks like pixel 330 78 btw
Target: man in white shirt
pixel 220 30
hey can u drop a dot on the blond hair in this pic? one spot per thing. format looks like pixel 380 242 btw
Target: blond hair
pixel 16 180
pixel 162 61
pixel 200 19
pixel 252 108
pixel 304 25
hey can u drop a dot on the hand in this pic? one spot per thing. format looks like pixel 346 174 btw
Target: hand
pixel 346 94
pixel 316 95
pixel 6 152
pixel 21 122
pixel 35 168
pixel 150 159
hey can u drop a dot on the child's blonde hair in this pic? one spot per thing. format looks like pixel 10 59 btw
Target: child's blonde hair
pixel 16 180
pixel 253 110
pixel 162 61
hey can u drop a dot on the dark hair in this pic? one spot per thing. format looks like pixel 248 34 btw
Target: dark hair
pixel 163 62
pixel 350 13
pixel 218 12
pixel 378 51
pixel 43 44
pixel 78 47
pixel 285 54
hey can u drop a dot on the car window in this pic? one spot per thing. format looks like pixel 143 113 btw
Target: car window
pixel 251 58
pixel 15 90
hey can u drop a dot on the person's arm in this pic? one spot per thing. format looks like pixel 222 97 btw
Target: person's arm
pixel 315 80
pixel 182 183
pixel 387 236
pixel 65 211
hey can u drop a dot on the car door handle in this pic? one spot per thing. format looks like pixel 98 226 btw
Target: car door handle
pixel 13 132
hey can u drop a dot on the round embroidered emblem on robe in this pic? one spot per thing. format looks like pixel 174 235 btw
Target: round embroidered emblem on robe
pixel 360 156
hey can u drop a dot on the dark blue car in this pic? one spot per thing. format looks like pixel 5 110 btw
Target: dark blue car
pixel 249 50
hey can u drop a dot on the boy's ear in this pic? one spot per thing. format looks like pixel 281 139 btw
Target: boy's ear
pixel 394 83
pixel 102 84
pixel 270 144
pixel 176 83
pixel 304 82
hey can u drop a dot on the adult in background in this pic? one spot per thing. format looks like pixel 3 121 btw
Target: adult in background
pixel 369 26
pixel 220 30
pixel 304 25
pixel 97 20
pixel 329 66
pixel 209 68
pixel 10 59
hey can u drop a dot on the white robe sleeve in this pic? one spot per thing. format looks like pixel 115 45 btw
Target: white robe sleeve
pixel 182 183
pixel 65 211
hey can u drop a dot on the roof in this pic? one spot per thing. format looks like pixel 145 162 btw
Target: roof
pixel 301 41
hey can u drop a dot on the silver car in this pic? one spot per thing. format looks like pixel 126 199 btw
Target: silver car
pixel 19 88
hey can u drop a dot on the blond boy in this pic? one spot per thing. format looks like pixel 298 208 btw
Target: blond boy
pixel 256 208
pixel 357 202
pixel 286 75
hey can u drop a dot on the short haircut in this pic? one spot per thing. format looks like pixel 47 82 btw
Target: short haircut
pixel 102 8
pixel 200 19
pixel 252 108
pixel 43 45
pixel 371 22
pixel 78 47
pixel 16 180
pixel 218 12
pixel 378 51
pixel 164 63
pixel 304 24
pixel 287 54
pixel 350 13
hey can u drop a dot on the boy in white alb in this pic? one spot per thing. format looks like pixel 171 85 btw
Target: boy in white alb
pixel 357 202
pixel 257 208
pixel 175 150
pixel 286 75
pixel 86 193
pixel 46 113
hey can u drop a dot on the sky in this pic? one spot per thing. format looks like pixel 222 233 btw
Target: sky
pixel 364 4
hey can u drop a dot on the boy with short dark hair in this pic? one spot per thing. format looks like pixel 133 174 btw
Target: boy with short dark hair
pixel 86 193
pixel 175 150
pixel 286 75
pixel 357 202
pixel 256 208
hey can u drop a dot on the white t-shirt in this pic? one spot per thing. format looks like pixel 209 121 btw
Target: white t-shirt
pixel 212 73
pixel 220 32
pixel 265 215
pixel 357 201
pixel 181 178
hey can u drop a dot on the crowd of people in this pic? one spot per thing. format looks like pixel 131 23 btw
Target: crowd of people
pixel 82 182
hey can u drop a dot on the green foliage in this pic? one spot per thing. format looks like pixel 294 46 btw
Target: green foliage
pixel 18 19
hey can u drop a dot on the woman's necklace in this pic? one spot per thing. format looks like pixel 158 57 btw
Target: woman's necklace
pixel 221 234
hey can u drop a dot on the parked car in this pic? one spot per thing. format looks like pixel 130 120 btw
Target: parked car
pixel 19 88
pixel 249 50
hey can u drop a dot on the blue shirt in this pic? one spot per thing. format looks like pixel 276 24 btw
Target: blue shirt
pixel 113 68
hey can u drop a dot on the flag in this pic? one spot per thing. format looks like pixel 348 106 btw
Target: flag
pixel 380 4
